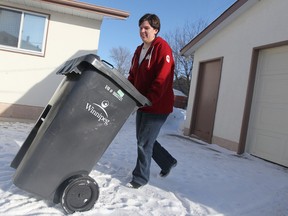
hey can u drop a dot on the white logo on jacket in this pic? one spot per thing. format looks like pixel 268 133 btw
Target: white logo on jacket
pixel 168 58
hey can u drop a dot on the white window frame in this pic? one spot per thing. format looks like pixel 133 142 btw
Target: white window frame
pixel 27 51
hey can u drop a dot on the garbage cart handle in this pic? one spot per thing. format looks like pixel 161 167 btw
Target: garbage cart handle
pixel 108 63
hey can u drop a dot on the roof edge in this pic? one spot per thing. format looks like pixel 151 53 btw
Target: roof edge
pixel 227 13
pixel 105 11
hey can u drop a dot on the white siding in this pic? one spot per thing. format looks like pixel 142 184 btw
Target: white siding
pixel 264 23
pixel 31 80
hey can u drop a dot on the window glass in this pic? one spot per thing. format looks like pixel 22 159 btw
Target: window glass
pixel 21 30
pixel 9 27
pixel 32 32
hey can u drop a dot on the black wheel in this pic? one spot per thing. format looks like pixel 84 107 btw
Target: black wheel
pixel 80 194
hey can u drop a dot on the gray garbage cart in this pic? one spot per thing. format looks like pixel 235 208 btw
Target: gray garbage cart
pixel 80 121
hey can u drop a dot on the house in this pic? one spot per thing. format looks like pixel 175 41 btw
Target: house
pixel 238 95
pixel 180 99
pixel 36 37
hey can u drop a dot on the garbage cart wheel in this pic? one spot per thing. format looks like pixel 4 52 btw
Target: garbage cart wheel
pixel 80 194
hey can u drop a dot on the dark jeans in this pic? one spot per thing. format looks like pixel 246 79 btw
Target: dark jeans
pixel 147 129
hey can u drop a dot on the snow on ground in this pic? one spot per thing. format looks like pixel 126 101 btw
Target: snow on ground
pixel 208 180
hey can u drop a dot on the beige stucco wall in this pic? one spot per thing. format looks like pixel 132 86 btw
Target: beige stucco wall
pixel 31 80
pixel 264 23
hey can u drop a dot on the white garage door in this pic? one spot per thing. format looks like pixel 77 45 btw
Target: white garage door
pixel 268 126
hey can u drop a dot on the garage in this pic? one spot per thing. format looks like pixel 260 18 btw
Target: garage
pixel 267 135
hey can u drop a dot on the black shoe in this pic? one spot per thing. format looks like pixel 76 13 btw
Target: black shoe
pixel 134 185
pixel 165 173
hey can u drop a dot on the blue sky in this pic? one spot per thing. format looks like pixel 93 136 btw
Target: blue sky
pixel 125 33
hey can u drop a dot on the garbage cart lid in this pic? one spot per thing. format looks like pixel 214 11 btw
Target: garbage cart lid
pixel 73 66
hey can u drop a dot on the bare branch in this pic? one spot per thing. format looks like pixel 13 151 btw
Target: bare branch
pixel 183 65
pixel 121 57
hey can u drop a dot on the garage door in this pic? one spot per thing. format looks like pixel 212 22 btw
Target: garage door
pixel 268 126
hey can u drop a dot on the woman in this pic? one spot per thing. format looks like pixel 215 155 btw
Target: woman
pixel 152 73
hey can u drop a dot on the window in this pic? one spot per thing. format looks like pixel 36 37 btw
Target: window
pixel 22 31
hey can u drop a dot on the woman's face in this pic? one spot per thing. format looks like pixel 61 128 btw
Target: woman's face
pixel 147 32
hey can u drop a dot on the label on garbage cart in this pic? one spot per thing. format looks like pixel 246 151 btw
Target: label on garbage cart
pixel 98 110
pixel 118 94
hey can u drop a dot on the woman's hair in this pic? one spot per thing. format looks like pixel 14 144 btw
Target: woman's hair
pixel 152 19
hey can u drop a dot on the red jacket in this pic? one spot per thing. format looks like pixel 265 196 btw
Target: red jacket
pixel 153 77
